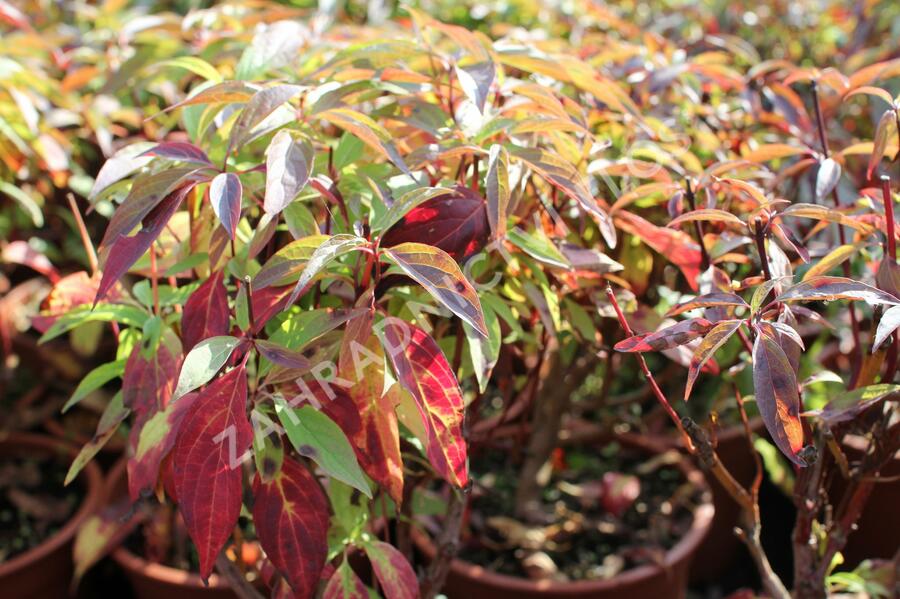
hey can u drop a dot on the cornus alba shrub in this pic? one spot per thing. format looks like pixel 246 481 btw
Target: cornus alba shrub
pixel 333 231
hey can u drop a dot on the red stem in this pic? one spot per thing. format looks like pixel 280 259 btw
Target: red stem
pixel 889 217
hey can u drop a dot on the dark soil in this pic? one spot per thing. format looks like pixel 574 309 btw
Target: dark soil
pixel 584 539
pixel 34 504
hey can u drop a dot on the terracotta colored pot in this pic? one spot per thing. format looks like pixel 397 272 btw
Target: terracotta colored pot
pixel 721 547
pixel 878 529
pixel 668 580
pixel 45 571
pixel 156 581
pixel 108 454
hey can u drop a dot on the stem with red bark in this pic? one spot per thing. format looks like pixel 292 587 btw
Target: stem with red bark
pixel 698 445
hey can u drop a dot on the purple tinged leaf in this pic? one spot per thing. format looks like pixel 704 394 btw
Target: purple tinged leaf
pixel 261 105
pixel 777 396
pixel 848 406
pixel 889 323
pixel 836 288
pixel 122 164
pixel 281 355
pixel 181 151
pixel 438 273
pixel 827 178
pixel 289 164
pixel 714 339
pixel 225 194
pixel 147 192
pixel 125 251
pixel 677 334
pixel 476 81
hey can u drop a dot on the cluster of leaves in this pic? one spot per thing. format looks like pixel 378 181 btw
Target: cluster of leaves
pixel 323 242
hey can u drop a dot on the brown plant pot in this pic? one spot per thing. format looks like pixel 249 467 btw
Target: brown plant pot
pixel 466 580
pixel 878 530
pixel 150 580
pixel 720 549
pixel 46 571
pixel 108 454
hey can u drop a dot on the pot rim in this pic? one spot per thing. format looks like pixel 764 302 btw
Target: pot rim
pixel 689 543
pixel 137 565
pixel 90 479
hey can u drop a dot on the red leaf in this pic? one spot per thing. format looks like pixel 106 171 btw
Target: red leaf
pixel 677 334
pixel 69 292
pixel 148 383
pixel 268 302
pixel 125 251
pixel 147 192
pixel 225 193
pixel 777 397
pixel 423 370
pixel 179 150
pixel 206 460
pixel 398 581
pixel 152 442
pixel 19 252
pixel 206 312
pixel 456 223
pixel 291 516
pixel 378 436
pixel 345 584
pixel 675 246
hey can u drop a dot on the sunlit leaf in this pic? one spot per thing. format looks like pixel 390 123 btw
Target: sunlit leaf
pixel 668 337
pixel 836 288
pixel 289 164
pixel 714 339
pixel 775 387
pixel 203 362
pixel 439 274
pixel 314 435
pixel 424 373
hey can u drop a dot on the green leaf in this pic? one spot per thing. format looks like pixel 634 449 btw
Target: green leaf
pixel 301 329
pixel 95 379
pixel 484 351
pixel 538 246
pixel 112 417
pixel 330 249
pixel 196 65
pixel 497 188
pixel 28 204
pixel 316 436
pixel 286 265
pixel 203 362
pixel 121 313
pixel 191 262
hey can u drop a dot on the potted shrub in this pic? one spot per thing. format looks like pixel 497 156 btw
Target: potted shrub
pixel 302 232
pixel 337 250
